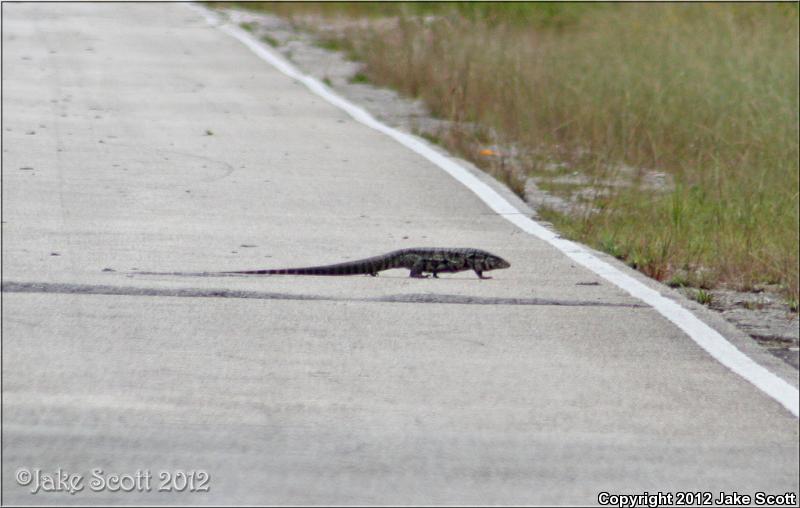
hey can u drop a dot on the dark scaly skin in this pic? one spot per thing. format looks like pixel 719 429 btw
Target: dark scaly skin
pixel 419 261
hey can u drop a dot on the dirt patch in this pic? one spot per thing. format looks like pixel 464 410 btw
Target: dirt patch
pixel 763 315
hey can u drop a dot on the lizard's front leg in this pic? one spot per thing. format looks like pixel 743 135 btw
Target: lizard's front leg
pixel 480 274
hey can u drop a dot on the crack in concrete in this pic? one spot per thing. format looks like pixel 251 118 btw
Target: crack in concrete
pixel 91 289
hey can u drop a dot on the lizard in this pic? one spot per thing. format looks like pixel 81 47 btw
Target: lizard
pixel 419 261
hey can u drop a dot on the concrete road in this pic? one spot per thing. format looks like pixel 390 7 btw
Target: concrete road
pixel 138 137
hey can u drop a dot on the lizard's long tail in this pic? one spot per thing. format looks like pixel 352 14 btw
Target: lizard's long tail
pixel 338 269
pixel 187 274
pixel 370 266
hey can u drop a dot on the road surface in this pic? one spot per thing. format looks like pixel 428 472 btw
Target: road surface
pixel 137 137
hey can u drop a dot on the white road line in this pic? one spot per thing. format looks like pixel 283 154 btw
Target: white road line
pixel 705 336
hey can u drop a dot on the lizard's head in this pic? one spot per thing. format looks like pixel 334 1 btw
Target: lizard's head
pixel 492 262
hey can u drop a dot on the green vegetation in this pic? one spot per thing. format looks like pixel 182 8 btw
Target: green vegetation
pixel 270 40
pixel 329 44
pixel 705 93
pixel 538 15
pixel 678 280
pixel 248 26
pixel 359 77
pixel 703 297
pixel 431 138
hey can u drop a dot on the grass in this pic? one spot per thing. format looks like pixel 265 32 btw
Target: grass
pixel 703 297
pixel 678 280
pixel 329 44
pixel 430 137
pixel 359 77
pixel 706 93
pixel 248 26
pixel 272 41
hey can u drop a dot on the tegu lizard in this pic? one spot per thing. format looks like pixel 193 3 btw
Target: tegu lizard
pixel 420 261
